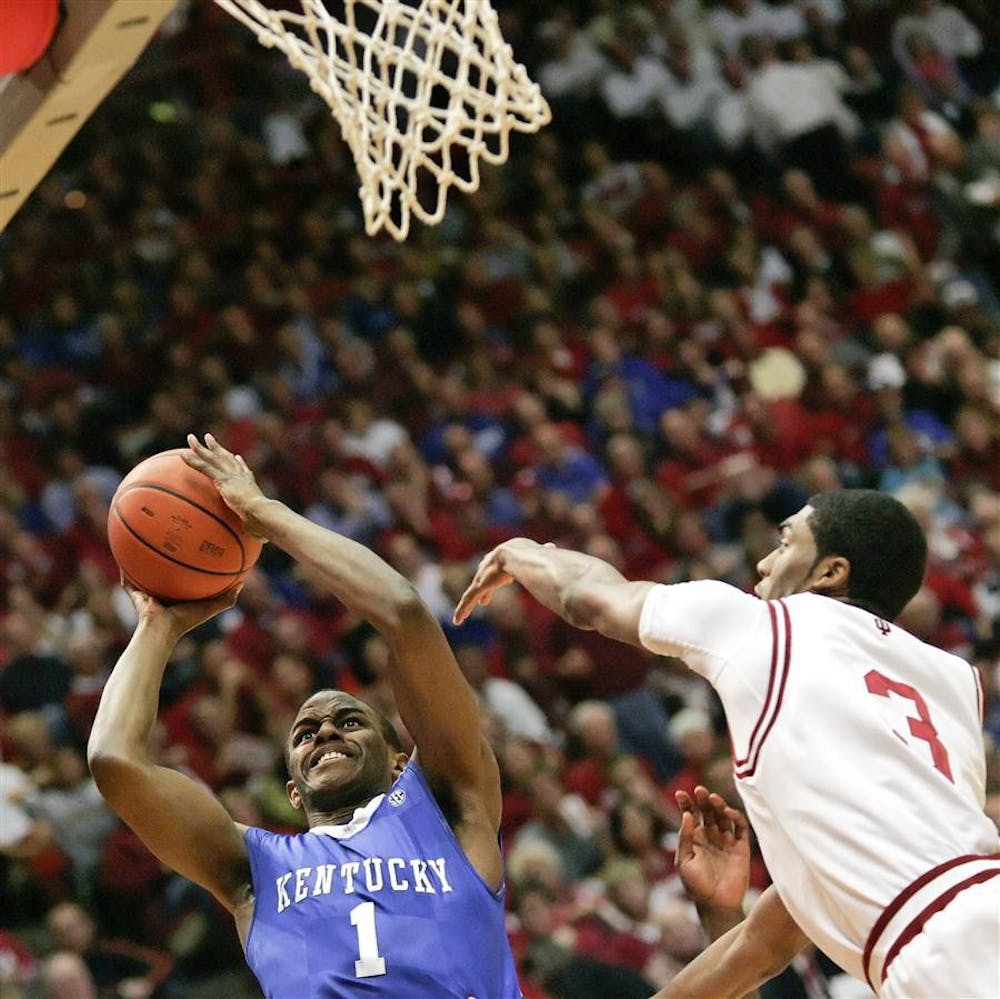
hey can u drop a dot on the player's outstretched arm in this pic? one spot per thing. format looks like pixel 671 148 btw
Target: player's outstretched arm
pixel 435 701
pixel 176 817
pixel 745 957
pixel 583 590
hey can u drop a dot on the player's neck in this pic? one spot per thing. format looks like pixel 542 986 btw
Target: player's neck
pixel 338 815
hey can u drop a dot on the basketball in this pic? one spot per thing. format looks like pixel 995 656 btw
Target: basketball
pixel 173 536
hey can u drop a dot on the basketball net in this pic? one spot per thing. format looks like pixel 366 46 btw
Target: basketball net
pixel 422 93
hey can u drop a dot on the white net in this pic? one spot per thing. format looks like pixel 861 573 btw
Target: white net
pixel 422 90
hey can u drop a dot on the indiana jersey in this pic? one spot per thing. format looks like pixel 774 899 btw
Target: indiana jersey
pixel 386 905
pixel 859 755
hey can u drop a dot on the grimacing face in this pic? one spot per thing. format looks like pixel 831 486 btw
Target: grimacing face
pixel 791 566
pixel 338 757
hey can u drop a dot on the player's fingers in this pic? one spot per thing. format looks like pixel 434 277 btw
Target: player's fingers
pixel 701 793
pixel 468 600
pixel 741 829
pixel 709 813
pixel 685 839
pixel 197 449
pixel 717 805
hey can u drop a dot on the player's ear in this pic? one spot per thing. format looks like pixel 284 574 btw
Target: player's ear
pixel 831 576
pixel 293 794
pixel 399 761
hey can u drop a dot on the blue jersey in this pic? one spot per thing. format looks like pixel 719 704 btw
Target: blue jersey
pixel 386 905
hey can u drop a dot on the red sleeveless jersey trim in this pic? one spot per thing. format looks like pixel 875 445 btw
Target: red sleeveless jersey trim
pixel 917 923
pixel 781 653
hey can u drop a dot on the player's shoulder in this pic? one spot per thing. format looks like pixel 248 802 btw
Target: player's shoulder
pixel 704 590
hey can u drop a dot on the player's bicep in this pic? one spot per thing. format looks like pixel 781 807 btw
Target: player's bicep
pixel 181 822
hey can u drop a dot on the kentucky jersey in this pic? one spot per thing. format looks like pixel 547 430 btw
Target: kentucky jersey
pixel 386 905
pixel 858 753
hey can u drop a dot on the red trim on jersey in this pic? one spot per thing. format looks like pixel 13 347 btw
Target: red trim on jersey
pixel 770 686
pixel 753 752
pixel 977 676
pixel 905 895
pixel 936 906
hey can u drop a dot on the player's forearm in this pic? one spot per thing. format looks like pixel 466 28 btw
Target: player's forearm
pixel 359 578
pixel 563 581
pixel 129 702
pixel 724 970
pixel 718 922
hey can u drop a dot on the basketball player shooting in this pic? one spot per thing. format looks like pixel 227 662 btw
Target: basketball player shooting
pixel 397 887
pixel 858 748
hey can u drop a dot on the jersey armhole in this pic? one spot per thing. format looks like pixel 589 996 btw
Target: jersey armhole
pixel 253 837
pixel 977 679
pixel 421 778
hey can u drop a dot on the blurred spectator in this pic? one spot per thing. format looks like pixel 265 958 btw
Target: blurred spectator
pixel 84 963
pixel 69 802
pixel 732 21
pixel 564 821
pixel 812 131
pixel 953 35
pixel 507 700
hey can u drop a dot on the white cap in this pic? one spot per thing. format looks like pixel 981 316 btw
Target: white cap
pixel 885 371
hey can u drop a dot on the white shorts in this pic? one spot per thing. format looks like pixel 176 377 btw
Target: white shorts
pixel 957 953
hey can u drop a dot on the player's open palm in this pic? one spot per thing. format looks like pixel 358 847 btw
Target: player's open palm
pixel 713 850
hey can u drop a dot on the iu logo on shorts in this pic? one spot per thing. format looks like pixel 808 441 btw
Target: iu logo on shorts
pixel 883 626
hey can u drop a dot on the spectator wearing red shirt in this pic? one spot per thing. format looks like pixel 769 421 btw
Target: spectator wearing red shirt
pixel 594 733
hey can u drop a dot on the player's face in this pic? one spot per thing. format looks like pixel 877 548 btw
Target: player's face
pixel 337 754
pixel 791 566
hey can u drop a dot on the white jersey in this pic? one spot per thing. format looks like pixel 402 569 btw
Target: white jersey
pixel 859 754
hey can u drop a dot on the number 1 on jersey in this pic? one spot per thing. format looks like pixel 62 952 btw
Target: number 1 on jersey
pixel 921 727
pixel 370 963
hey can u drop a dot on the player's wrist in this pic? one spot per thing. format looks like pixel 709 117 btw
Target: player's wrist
pixel 160 628
pixel 257 513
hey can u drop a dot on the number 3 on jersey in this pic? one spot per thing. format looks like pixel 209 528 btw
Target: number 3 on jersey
pixel 921 727
pixel 370 963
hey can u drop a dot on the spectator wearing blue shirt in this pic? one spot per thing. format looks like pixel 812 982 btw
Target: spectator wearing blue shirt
pixel 649 391
pixel 564 468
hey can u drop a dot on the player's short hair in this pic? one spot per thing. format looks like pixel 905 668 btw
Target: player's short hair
pixel 389 732
pixel 880 538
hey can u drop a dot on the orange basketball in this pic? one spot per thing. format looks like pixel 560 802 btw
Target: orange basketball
pixel 173 536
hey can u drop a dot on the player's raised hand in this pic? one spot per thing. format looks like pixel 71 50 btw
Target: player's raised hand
pixel 713 850
pixel 231 475
pixel 182 617
pixel 489 577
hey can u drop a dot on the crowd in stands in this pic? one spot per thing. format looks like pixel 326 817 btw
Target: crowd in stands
pixel 755 255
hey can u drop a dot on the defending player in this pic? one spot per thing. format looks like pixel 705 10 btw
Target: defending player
pixel 858 748
pixel 396 890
